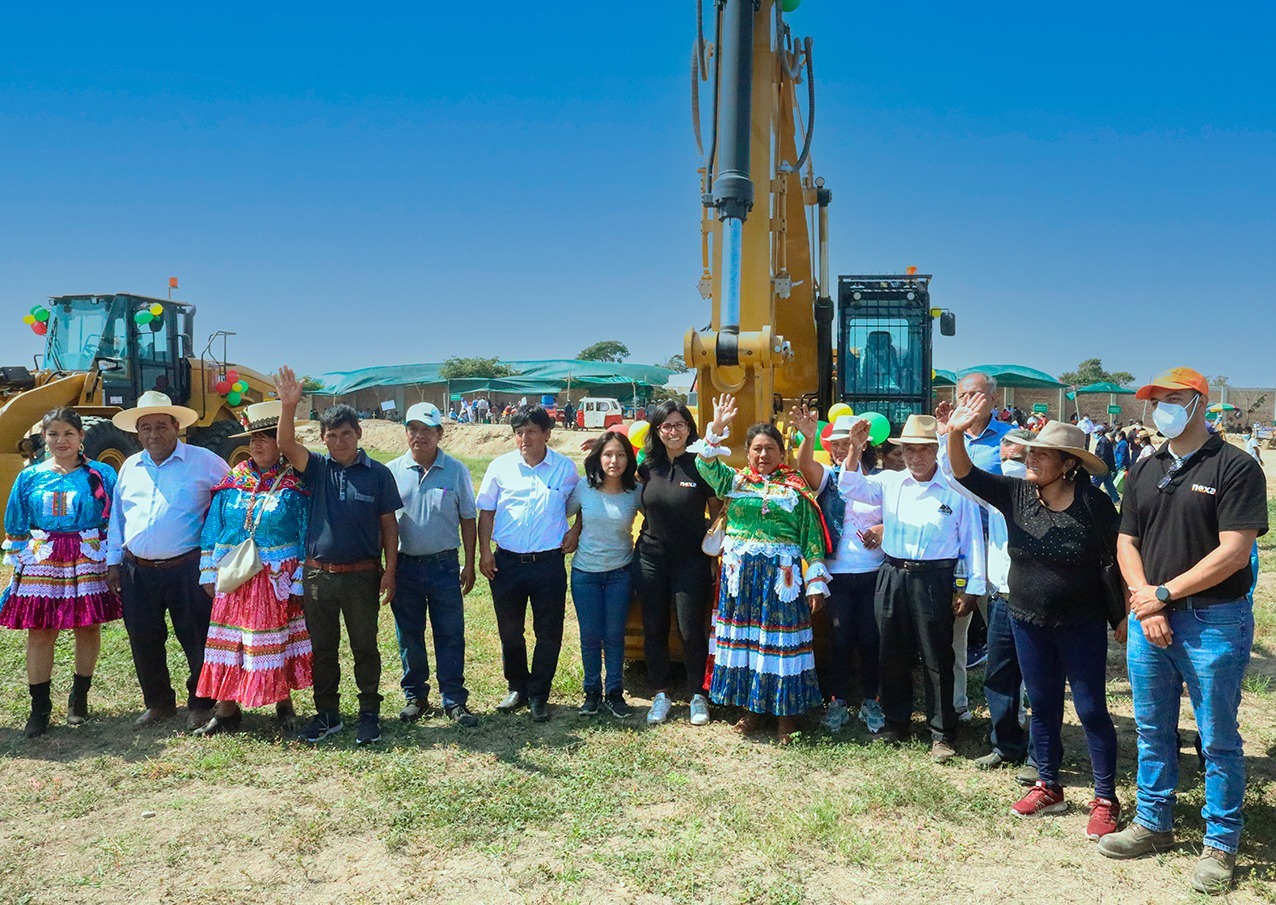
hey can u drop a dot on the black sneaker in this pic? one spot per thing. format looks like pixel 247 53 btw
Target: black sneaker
pixel 322 726
pixel 460 714
pixel 593 699
pixel 369 729
pixel 617 706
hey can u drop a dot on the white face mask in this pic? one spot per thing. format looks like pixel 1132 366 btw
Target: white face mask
pixel 1170 419
pixel 1012 468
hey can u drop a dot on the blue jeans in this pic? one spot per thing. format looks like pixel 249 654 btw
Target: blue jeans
pixel 602 608
pixel 431 586
pixel 1002 680
pixel 1209 652
pixel 1078 656
pixel 1106 483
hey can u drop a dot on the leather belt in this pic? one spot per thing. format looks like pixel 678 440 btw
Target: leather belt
pixel 363 565
pixel 172 562
pixel 1198 603
pixel 532 557
pixel 921 565
pixel 441 556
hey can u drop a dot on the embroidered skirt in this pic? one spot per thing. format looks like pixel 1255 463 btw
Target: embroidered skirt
pixel 60 583
pixel 763 655
pixel 258 649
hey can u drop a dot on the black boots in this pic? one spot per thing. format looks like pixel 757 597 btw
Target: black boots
pixel 41 707
pixel 77 705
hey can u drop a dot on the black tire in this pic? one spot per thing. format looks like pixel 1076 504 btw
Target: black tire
pixel 217 438
pixel 106 442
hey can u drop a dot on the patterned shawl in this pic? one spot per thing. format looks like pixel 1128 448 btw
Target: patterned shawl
pixel 792 478
pixel 246 476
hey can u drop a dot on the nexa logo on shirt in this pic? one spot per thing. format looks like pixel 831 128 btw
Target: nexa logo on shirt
pixel 1201 488
pixel 686 483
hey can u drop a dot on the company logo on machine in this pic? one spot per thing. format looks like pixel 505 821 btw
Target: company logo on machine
pixel 1202 488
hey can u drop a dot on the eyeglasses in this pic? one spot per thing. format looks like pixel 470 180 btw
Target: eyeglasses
pixel 673 427
pixel 1166 484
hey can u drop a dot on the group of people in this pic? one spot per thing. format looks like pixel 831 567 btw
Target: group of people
pixel 258 566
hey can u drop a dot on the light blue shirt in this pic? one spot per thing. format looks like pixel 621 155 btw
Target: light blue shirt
pixel 985 449
pixel 434 503
pixel 607 527
pixel 923 519
pixel 529 502
pixel 158 510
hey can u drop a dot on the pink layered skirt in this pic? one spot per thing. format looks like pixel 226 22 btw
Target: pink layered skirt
pixel 60 583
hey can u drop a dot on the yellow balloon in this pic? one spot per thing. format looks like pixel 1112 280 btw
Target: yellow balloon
pixel 28 319
pixel 838 410
pixel 157 309
pixel 638 433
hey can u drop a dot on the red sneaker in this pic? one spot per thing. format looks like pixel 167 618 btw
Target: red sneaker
pixel 1103 818
pixel 1041 800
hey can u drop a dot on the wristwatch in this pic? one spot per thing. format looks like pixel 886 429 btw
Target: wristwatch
pixel 1163 594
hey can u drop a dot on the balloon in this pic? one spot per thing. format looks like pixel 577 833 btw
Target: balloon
pixel 819 435
pixel 642 456
pixel 824 434
pixel 28 319
pixel 40 328
pixel 142 318
pixel 620 428
pixel 241 385
pixel 234 398
pixel 42 315
pixel 638 432
pixel 157 309
pixel 879 427
pixel 157 325
pixel 232 375
pixel 791 5
pixel 34 309
pixel 222 387
pixel 837 410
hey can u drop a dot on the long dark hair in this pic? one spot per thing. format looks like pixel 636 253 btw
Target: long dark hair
pixel 594 462
pixel 97 484
pixel 654 449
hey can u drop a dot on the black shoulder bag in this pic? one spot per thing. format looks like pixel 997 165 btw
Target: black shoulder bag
pixel 1113 583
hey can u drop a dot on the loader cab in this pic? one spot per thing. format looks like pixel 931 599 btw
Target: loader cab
pixel 884 344
pixel 133 349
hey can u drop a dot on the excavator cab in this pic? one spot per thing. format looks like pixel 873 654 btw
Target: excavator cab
pixel 884 344
pixel 102 332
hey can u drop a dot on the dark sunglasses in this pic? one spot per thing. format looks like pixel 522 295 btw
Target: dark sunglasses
pixel 1166 484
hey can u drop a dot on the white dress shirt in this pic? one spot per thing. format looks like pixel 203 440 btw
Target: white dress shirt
pixel 998 534
pixel 529 501
pixel 157 511
pixel 923 519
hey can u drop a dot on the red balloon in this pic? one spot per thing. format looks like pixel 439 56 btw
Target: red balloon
pixel 232 375
pixel 619 429
pixel 40 328
pixel 222 387
pixel 824 434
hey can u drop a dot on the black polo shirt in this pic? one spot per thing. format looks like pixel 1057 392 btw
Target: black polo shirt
pixel 674 496
pixel 346 505
pixel 1219 488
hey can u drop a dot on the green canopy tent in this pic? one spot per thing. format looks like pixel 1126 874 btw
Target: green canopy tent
pixel 1111 390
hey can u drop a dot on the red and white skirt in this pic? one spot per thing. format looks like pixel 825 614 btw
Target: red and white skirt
pixel 60 583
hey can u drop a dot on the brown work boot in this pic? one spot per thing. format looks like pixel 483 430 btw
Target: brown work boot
pixel 1213 874
pixel 154 715
pixel 1135 841
pixel 942 751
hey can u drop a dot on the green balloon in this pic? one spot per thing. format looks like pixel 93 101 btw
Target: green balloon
pixel 819 435
pixel 34 309
pixel 879 427
pixel 42 314
pixel 142 318
pixel 790 5
pixel 234 398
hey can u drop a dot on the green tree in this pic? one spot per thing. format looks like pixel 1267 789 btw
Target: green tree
pixel 456 368
pixel 612 350
pixel 674 363
pixel 1091 371
pixel 311 384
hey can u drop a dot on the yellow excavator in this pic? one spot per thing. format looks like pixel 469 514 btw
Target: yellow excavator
pixel 103 351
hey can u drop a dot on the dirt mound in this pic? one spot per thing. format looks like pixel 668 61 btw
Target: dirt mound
pixel 477 441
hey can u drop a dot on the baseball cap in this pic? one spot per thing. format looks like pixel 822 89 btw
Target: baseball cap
pixel 425 412
pixel 1175 379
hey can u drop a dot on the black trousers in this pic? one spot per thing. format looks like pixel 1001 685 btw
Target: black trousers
pixel 852 611
pixel 543 584
pixel 150 593
pixel 356 598
pixel 915 614
pixel 681 585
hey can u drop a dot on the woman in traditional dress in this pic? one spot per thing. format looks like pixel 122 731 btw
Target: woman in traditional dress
pixel 764 661
pixel 258 650
pixel 55 540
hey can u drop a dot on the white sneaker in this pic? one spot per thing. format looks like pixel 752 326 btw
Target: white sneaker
pixel 836 716
pixel 699 710
pixel 872 716
pixel 965 716
pixel 659 711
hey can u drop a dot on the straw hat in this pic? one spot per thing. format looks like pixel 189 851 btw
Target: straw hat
pixel 918 429
pixel 260 416
pixel 1068 439
pixel 153 402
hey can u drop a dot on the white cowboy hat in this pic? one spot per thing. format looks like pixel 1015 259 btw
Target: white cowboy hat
pixel 842 427
pixel 1069 440
pixel 918 429
pixel 153 402
pixel 260 416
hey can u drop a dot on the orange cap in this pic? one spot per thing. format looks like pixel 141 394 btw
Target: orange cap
pixel 1176 379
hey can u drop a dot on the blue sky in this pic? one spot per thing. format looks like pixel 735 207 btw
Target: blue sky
pixel 416 181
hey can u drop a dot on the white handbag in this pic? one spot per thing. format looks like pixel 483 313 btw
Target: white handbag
pixel 243 561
